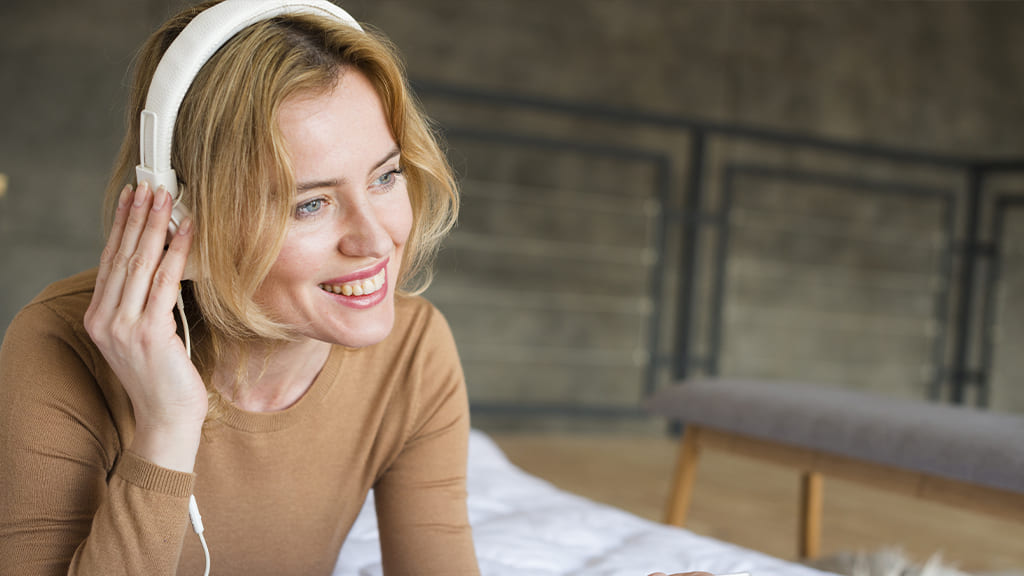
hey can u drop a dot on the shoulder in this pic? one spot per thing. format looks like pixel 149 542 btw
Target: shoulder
pixel 78 284
pixel 416 317
pixel 420 345
pixel 48 334
pixel 52 376
pixel 66 299
pixel 428 389
pixel 59 308
pixel 413 308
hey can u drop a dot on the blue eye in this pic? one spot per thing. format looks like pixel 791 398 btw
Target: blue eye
pixel 388 179
pixel 310 208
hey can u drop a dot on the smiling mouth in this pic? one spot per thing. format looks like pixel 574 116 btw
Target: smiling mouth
pixel 362 287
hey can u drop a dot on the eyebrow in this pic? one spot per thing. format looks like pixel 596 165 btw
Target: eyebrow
pixel 331 183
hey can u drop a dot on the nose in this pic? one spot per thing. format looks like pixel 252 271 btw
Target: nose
pixel 363 234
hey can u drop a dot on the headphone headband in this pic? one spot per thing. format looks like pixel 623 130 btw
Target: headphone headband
pixel 203 36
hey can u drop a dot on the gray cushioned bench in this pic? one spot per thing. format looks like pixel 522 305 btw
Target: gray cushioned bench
pixel 960 456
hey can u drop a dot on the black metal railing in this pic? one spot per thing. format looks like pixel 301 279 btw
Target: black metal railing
pixel 698 203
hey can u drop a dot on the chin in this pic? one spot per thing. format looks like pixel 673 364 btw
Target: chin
pixel 364 340
pixel 367 333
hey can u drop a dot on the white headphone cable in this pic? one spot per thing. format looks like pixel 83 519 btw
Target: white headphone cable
pixel 184 323
pixel 197 525
pixel 193 508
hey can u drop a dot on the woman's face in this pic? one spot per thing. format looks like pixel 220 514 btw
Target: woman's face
pixel 335 277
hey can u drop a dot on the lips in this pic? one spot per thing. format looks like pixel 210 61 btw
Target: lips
pixel 363 289
pixel 359 287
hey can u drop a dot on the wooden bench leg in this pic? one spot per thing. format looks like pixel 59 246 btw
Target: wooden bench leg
pixel 682 482
pixel 811 487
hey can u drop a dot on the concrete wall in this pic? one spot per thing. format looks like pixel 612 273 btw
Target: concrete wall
pixel 931 75
pixel 62 67
pixel 1008 331
pixel 547 282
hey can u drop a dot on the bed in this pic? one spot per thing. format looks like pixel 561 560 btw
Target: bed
pixel 524 526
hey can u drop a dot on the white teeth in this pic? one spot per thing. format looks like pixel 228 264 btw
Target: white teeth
pixel 359 287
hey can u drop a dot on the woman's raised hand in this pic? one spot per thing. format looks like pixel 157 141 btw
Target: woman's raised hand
pixel 131 320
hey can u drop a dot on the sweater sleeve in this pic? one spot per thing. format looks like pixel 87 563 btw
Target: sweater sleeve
pixel 71 500
pixel 421 497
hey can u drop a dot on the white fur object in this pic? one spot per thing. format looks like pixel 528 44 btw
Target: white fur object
pixel 885 562
pixel 524 526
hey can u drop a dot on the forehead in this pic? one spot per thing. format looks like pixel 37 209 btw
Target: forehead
pixel 341 128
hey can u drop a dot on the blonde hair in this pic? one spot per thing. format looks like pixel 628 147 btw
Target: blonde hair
pixel 238 183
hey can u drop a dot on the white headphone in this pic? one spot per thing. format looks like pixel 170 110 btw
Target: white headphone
pixel 179 66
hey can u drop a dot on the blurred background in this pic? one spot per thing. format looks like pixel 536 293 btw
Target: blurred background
pixel 829 192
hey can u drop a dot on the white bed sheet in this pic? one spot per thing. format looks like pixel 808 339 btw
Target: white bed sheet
pixel 524 526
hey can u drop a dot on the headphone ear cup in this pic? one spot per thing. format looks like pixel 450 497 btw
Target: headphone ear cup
pixel 179 212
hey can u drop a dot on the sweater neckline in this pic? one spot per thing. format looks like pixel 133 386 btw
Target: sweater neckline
pixel 240 419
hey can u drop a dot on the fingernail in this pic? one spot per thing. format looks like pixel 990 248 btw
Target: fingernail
pixel 142 194
pixel 186 227
pixel 122 200
pixel 158 198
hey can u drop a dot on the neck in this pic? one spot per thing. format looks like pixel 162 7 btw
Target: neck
pixel 276 376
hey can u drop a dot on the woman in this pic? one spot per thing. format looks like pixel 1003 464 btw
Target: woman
pixel 319 195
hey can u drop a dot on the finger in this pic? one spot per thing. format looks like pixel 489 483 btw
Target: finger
pixel 114 240
pixel 137 216
pixel 148 253
pixel 164 291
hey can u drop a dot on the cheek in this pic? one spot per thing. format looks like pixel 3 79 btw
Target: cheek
pixel 298 262
pixel 397 220
pixel 398 223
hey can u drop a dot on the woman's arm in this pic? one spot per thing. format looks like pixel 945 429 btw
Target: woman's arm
pixel 72 499
pixel 421 497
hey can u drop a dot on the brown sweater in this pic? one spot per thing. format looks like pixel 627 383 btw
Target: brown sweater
pixel 278 491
